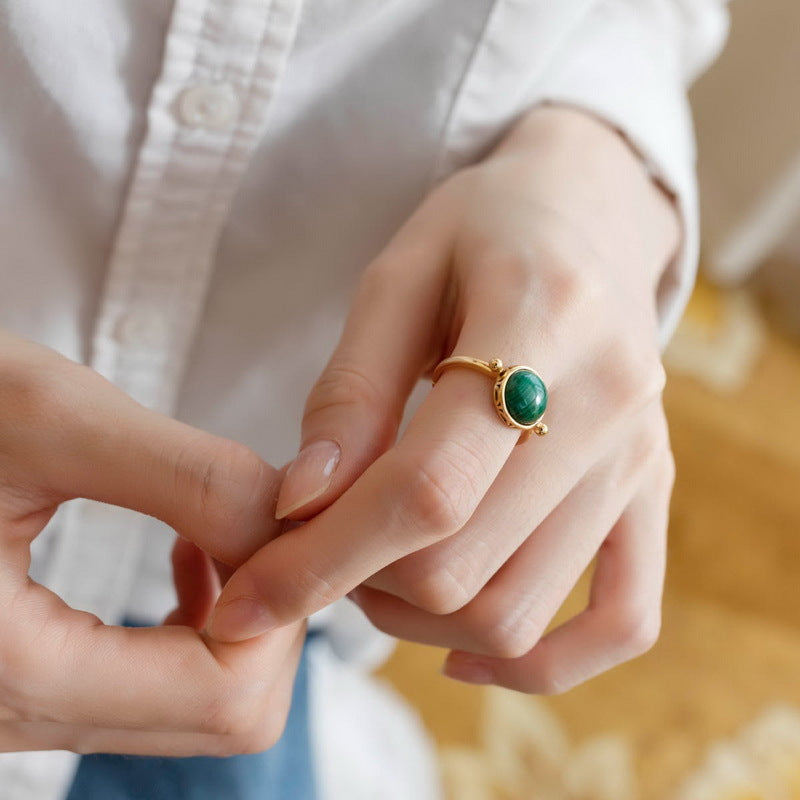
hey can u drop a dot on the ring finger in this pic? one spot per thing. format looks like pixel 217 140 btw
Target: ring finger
pixel 622 619
pixel 511 612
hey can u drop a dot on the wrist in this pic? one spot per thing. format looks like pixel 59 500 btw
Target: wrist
pixel 600 184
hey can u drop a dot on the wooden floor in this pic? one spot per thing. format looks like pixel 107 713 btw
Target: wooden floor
pixel 730 648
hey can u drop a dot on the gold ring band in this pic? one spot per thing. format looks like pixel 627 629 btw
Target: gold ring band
pixel 519 393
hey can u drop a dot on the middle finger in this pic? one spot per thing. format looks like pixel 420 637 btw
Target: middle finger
pixel 508 614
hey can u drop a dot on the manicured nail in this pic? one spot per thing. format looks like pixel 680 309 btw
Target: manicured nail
pixel 308 476
pixel 239 619
pixel 468 670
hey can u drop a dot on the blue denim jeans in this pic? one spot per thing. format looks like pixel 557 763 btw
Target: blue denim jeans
pixel 284 772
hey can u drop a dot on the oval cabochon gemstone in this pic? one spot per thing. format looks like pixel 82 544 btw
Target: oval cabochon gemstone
pixel 525 396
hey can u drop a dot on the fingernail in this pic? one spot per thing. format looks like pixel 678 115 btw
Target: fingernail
pixel 239 619
pixel 308 476
pixel 468 670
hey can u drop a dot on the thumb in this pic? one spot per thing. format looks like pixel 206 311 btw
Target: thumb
pixel 67 432
pixel 354 410
pixel 212 491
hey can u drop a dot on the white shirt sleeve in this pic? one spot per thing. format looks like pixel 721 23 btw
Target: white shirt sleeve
pixel 630 62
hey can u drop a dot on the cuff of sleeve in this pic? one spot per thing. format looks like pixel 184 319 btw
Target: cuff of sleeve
pixel 620 66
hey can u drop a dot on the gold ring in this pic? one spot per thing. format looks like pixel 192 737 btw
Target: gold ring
pixel 520 394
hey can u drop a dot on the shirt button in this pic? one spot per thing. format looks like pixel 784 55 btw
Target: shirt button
pixel 142 331
pixel 213 106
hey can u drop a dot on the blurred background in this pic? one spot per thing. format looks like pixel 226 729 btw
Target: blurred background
pixel 713 711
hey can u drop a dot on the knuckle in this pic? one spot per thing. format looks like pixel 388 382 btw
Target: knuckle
pixel 293 594
pixel 668 469
pixel 343 385
pixel 513 272
pixel 636 370
pixel 441 587
pixel 572 293
pixel 230 480
pixel 634 632
pixel 437 494
pixel 509 637
pixel 657 375
pixel 312 588
pixel 519 283
pixel 650 445
pixel 552 686
pixel 505 626
pixel 627 375
pixel 567 306
pixel 661 449
pixel 500 642
pixel 233 487
pixel 550 680
pixel 430 502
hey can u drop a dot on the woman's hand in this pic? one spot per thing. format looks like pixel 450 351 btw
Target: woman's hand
pixel 68 682
pixel 549 253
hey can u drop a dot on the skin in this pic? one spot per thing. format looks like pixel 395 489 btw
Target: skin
pixel 66 680
pixel 547 253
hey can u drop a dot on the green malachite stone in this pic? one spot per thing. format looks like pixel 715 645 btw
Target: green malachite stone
pixel 526 396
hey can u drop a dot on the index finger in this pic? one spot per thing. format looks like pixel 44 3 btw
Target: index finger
pixel 423 490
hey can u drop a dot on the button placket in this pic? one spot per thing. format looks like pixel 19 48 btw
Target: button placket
pixel 212 106
pixel 180 192
pixel 142 330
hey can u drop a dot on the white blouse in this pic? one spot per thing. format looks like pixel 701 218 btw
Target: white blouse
pixel 189 190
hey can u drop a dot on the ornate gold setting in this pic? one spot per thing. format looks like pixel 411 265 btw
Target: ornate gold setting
pixel 500 374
